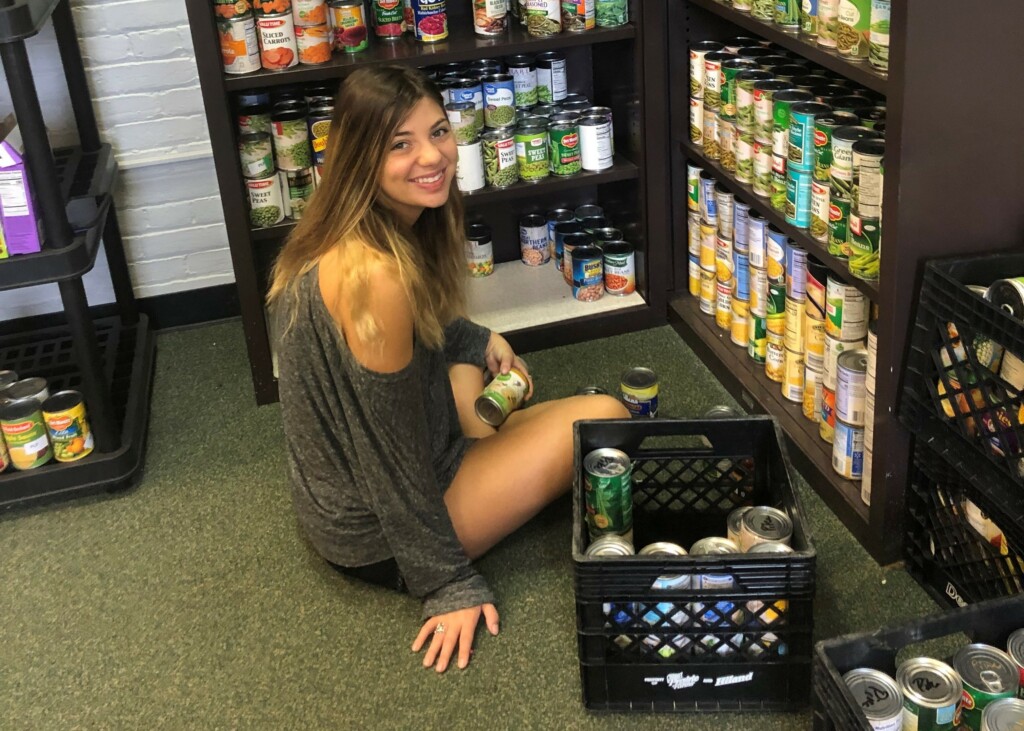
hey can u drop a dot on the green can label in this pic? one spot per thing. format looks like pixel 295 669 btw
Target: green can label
pixel 27 441
pixel 729 90
pixel 757 348
pixel 532 154
pixel 852 34
pixel 608 491
pixel 801 141
pixel 809 17
pixel 838 226
pixel 564 150
pixel 780 127
pixel 778 192
pixel 787 13
pixel 822 150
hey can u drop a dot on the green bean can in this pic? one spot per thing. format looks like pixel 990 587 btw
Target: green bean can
pixel 864 234
pixel 778 192
pixel 787 14
pixel 744 149
pixel 608 492
pixel 853 28
pixel 878 36
pixel 782 104
pixel 819 211
pixel 843 140
pixel 764 91
pixel 762 169
pixel 801 133
pixel 828 22
pixel 611 13
pixel 731 68
pixel 809 17
pixel 532 152
pixel 763 9
pixel 499 151
pixel 745 80
pixel 838 225
pixel 543 17
pixel 824 126
pixel 564 148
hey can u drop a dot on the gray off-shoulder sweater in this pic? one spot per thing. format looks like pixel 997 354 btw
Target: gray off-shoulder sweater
pixel 370 454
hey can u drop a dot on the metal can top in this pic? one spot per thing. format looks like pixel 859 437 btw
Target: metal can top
pixel 639 378
pixel 855 360
pixel 929 683
pixel 561 215
pixel 589 250
pixel 986 668
pixel 496 134
pixel 20 409
pixel 570 117
pixel 792 96
pixel 814 108
pixel 545 59
pixel 465 82
pixel 610 544
pixel 1015 647
pixel 771 547
pixel 568 227
pixel 871 147
pixel 588 210
pixel 713 546
pixel 721 411
pixel 1006 714
pixel 771 84
pixel 561 126
pixel 344 3
pixel 519 61
pixel 735 519
pixel 590 390
pixel 753 75
pixel 616 247
pixel 532 126
pixel 706 47
pixel 607 462
pixel 545 110
pixel 573 97
pixel 25 388
pixel 478 232
pixel 496 78
pixel 754 50
pixel 7 378
pixel 875 692
pixel 532 220
pixel 606 233
pixel 853 133
pixel 62 401
pixel 662 548
pixel 767 522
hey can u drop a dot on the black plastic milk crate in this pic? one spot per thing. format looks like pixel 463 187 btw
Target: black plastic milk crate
pixel 948 392
pixel 835 709
pixel 642 648
pixel 948 544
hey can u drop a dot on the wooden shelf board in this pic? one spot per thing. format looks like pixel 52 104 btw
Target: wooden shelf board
pixel 861 72
pixel 801 236
pixel 462 44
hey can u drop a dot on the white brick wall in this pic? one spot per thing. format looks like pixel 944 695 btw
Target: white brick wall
pixel 142 73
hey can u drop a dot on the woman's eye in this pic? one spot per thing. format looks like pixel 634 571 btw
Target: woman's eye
pixel 441 131
pixel 399 145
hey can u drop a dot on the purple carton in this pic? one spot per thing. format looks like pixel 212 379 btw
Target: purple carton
pixel 17 209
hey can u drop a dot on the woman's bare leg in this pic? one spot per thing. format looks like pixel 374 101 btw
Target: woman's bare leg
pixel 467 383
pixel 506 479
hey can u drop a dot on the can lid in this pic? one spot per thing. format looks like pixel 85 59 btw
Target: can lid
pixel 478 232
pixel 549 56
pixel 489 411
pixel 607 462
pixel 771 547
pixel 987 668
pixel 1015 647
pixel 561 215
pixel 62 401
pixel 616 247
pixel 855 360
pixel 610 544
pixel 767 522
pixel 853 133
pixel 588 209
pixel 496 78
pixel 7 378
pixel 1005 714
pixel 872 147
pixel 19 409
pixel 25 388
pixel 929 683
pixel 713 546
pixel 662 548
pixel 520 60
pixel 608 234
pixel 875 692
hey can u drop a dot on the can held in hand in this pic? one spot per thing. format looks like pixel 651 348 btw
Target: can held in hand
pixel 504 394
pixel 68 426
pixel 639 388
pixel 24 431
pixel 239 47
pixel 608 492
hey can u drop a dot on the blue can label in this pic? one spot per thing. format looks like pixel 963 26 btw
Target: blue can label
pixel 742 277
pixel 739 230
pixel 587 278
pixel 801 141
pixel 473 94
pixel 798 198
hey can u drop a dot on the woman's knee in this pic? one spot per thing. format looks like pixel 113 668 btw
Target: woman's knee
pixel 600 406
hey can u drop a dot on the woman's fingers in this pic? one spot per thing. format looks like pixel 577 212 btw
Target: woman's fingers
pixel 425 631
pixel 466 643
pixel 436 643
pixel 491 617
pixel 452 636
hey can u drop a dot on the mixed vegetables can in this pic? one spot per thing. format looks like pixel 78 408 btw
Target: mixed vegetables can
pixel 504 394
pixel 67 426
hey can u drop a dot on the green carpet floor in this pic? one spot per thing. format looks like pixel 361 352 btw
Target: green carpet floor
pixel 192 603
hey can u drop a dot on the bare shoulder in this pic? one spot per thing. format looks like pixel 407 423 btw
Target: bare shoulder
pixel 368 301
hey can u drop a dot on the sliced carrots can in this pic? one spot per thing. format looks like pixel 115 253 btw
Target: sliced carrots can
pixel 278 50
pixel 309 13
pixel 314 44
pixel 271 7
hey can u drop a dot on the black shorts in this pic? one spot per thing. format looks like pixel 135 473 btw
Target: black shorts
pixel 383 573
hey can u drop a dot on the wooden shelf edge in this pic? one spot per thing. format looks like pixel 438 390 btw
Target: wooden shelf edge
pixel 862 73
pixel 811 455
pixel 762 206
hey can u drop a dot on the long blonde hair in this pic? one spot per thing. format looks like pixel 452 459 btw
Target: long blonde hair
pixel 346 210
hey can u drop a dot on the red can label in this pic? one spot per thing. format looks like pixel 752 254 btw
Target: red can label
pixel 430 20
pixel 387 18
pixel 349 28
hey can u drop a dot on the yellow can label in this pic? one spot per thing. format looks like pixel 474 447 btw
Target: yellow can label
pixel 69 433
pixel 795 325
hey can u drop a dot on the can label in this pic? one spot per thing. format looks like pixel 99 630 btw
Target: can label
pixel 642 402
pixel 828 22
pixel 239 49
pixel 525 80
pixel 266 203
pixel 313 43
pixel 762 169
pixel 758 339
pixel 838 226
pixel 499 103
pixel 532 154
pixel 693 278
pixel 693 233
pixel 257 155
pixel 775 359
pixel 620 273
pixel 490 18
pixel 611 13
pixel 27 442
pixel 533 245
pixel 878 37
pixel 848 450
pixel 543 17
pixel 777 198
pixel 297 188
pixel 69 433
pixel 742 278
pixel 759 291
pixel 793 378
pixel 798 198
pixel 853 28
pixel 693 187
pixel 587 278
pixel 764 120
pixel 814 338
pixel 596 146
pixel 500 167
pixel 738 327
pixel 578 16
pixel 827 422
pixel 846 311
pixel 787 13
pixel 801 141
pixel 708 245
pixel 506 391
pixel 552 82
pixel 725 202
pixel 479 257
pixel 822 150
pixel 707 291
pixel 812 393
pixel 697 122
pixel 712 85
pixel 757 238
pixel 796 272
pixel 711 148
pixel 819 211
pixel 744 151
pixel 696 75
pixel 723 307
pixel 609 492
pixel 867 184
pixel 809 17
pixel 308 13
pixel 708 201
pixel 564 150
pixel 864 241
pixel 745 116
pixel 850 396
pixel 795 326
pixel 277 41
pixel 776 256
pixel 430 20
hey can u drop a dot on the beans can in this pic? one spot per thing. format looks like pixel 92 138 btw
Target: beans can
pixel 782 105
pixel 543 17
pixel 988 674
pixel 827 422
pixel 239 48
pixel 289 129
pixel 573 232
pixel 24 431
pixel 555 217
pixel 828 22
pixel 277 41
pixel 490 17
pixel 775 357
pixel 787 14
pixel 619 268
pixel 878 36
pixel 757 344
pixel 819 211
pixel 430 20
pixel 533 240
pixel 731 68
pixel 802 130
pixel 794 335
pixel 852 30
pixel 578 15
pixel 608 492
pixel 499 100
pixel 587 273
pixel 713 80
pixel 764 123
pixel 762 524
pixel 798 198
pixel 596 145
pixel 711 149
pixel 1003 715
pixel 744 152
pixel 824 126
pixel 708 293
pixel 777 196
pixel 257 155
pixel 611 13
pixel 865 239
pixel 570 243
pixel 697 53
pixel 762 169
pixel 727 144
pixel 297 188
pixel 639 387
pixel 878 696
pixel 793 376
pixel 841 172
pixel 846 311
pixel 867 177
pixel 505 393
pixel 552 82
pixel 479 250
pixel 67 426
pixel 714 546
pixel 693 276
pixel 851 370
pixel 266 203
pixel 931 692
pixel 838 224
pixel 564 153
pixel 746 114
pixel 532 152
pixel 812 392
pixel 848 450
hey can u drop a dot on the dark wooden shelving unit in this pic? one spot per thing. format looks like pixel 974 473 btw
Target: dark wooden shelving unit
pixel 926 212
pixel 622 68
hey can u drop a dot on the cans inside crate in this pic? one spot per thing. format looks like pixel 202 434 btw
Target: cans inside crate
pixel 649 642
pixel 835 708
pixel 962 552
pixel 960 349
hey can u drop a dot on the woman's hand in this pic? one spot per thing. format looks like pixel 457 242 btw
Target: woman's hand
pixel 501 359
pixel 446 631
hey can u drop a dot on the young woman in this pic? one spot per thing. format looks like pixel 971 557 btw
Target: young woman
pixel 394 478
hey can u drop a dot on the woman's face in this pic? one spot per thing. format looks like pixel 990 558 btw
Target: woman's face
pixel 420 163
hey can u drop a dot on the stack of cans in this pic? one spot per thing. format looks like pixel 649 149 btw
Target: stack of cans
pixel 757 247
pixel 800 166
pixel 869 412
pixel 796 305
pixel 846 328
pixel 725 263
pixel 708 231
pixel 775 350
pixel 740 327
pixel 814 337
pixel 693 173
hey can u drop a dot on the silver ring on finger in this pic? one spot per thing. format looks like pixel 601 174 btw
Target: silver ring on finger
pixel 439 628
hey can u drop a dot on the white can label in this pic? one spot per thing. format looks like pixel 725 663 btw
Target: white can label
pixel 848 451
pixel 469 171
pixel 596 146
pixel 696 121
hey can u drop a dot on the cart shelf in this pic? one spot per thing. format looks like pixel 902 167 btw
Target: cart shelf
pixel 86 182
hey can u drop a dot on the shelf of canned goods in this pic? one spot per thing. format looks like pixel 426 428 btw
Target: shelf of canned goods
pixel 797 285
pixel 572 89
pixel 74 397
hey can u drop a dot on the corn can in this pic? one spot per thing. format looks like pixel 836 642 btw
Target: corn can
pixel 793 376
pixel 694 276
pixel 693 233
pixel 67 426
pixel 758 291
pixel 775 357
pixel 723 305
pixel 812 393
pixel 708 294
pixel 738 326
pixel 795 318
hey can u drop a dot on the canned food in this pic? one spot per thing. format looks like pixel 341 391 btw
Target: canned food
pixel 738 327
pixel 731 68
pixel 639 387
pixel 846 311
pixel 308 13
pixel 988 674
pixel 297 188
pixel 741 222
pixel 619 268
pixel 742 293
pixel 798 198
pixel 564 148
pixel 724 207
pixel 827 422
pixel 698 51
pixel 802 131
pixel 824 126
pixel 610 544
pixel 764 91
pixel 708 291
pixel 711 148
pixel 490 18
pixel 757 346
pixel 757 240
pixel 714 546
pixel 848 450
pixel 266 202
pixel 833 349
pixel 671 550
pixel 727 144
pixel 828 20
pixel 713 80
pixel 552 83
pixel 878 36
pixel 1015 649
pixel 762 169
pixel 812 392
pixel 772 547
pixel 290 132
pixel 469 169
pixel 587 273
pixel 239 48
pixel 795 320
pixel 763 523
pixel 277 41
pixel 533 240
pixel 851 373
pixel 931 692
pixel 430 20
pixel 24 431
pixel 596 145
pixel 479 250
pixel 723 306
pixel 796 272
pixel 734 522
pixel 27 388
pixel 1003 715
pixel 609 492
pixel 878 696
pixel 523 70
pixel 499 100
pixel 782 105
pixel 793 376
pixel 227 9
pixel 853 28
pixel 313 43
pixel 543 17
pixel 776 260
pixel 569 244
pixel 819 211
pixel 319 122
pixel 464 120
pixel 532 152
pixel 67 426
pixel 693 276
pixel 746 115
pixel 257 155
pixel 867 177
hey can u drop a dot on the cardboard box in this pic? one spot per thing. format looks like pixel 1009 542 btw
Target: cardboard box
pixel 21 231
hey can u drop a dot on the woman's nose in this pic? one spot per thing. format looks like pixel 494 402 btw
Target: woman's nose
pixel 429 154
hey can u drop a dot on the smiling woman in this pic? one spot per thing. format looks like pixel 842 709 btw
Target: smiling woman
pixel 394 477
